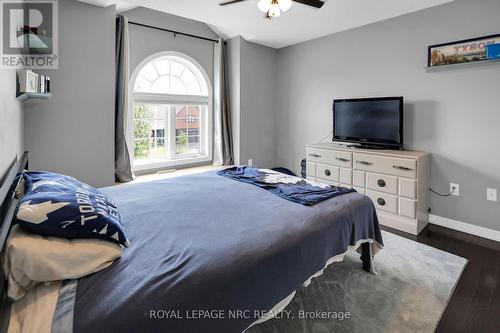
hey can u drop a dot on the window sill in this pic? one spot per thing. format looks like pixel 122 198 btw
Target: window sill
pixel 148 177
pixel 144 167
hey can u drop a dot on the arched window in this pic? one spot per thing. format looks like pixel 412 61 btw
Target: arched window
pixel 171 112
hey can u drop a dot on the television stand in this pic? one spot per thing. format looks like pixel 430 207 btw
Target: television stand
pixel 397 181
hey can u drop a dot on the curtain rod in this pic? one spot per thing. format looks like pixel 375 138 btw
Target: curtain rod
pixel 174 32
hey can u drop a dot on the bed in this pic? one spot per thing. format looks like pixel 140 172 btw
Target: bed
pixel 208 254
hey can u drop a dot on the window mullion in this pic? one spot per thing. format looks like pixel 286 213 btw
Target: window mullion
pixel 168 150
pixel 203 130
pixel 171 131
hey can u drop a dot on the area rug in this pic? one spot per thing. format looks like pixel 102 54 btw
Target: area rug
pixel 409 294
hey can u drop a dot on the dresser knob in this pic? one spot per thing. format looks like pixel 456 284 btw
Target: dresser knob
pixel 328 173
pixel 381 183
pixel 381 201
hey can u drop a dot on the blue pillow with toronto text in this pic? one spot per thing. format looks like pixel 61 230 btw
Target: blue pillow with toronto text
pixel 61 206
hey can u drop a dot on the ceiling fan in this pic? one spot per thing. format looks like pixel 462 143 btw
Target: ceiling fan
pixel 273 8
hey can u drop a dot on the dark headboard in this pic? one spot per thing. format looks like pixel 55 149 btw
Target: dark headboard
pixel 8 203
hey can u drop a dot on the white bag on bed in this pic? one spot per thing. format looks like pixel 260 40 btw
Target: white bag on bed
pixel 30 259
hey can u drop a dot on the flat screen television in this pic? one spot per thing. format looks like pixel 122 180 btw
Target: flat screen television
pixel 369 122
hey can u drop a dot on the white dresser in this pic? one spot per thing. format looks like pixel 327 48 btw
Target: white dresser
pixel 396 181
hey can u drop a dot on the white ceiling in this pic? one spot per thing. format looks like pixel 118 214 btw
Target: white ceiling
pixel 299 24
pixel 121 5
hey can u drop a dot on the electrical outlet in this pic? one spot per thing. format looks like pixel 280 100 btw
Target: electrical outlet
pixel 250 162
pixel 455 189
pixel 491 194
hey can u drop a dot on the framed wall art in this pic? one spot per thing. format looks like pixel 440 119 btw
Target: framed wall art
pixel 461 52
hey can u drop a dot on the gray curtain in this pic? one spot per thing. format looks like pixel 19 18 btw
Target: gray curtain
pixel 123 168
pixel 223 136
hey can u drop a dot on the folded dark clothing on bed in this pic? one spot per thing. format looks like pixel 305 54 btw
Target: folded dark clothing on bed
pixel 288 187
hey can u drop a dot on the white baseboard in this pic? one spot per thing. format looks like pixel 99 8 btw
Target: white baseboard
pixel 465 227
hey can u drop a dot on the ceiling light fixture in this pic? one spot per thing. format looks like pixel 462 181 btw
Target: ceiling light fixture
pixel 273 8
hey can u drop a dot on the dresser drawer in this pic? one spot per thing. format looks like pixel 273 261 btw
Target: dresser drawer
pixel 407 208
pixel 403 167
pixel 343 159
pixel 327 182
pixel 327 172
pixel 316 155
pixel 358 178
pixel 383 201
pixel 360 190
pixel 332 157
pixel 408 188
pixel 346 176
pixel 311 169
pixel 382 183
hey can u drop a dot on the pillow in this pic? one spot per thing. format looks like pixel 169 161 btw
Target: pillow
pixel 20 188
pixel 31 259
pixel 61 206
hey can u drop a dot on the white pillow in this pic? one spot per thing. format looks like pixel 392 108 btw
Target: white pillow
pixel 30 259
pixel 20 188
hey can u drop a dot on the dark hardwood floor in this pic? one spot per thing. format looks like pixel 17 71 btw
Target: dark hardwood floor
pixel 475 304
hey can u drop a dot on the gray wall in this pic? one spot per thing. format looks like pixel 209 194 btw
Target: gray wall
pixel 258 88
pixel 73 132
pixel 11 120
pixel 252 85
pixel 453 114
pixel 145 42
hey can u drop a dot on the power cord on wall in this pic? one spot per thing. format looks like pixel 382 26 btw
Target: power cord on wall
pixel 443 195
pixel 326 137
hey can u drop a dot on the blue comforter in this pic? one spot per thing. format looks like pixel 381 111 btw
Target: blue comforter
pixel 207 246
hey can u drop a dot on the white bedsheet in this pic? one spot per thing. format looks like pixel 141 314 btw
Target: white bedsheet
pixel 35 311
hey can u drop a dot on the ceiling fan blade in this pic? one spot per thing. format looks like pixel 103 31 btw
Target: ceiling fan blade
pixel 313 3
pixel 230 2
